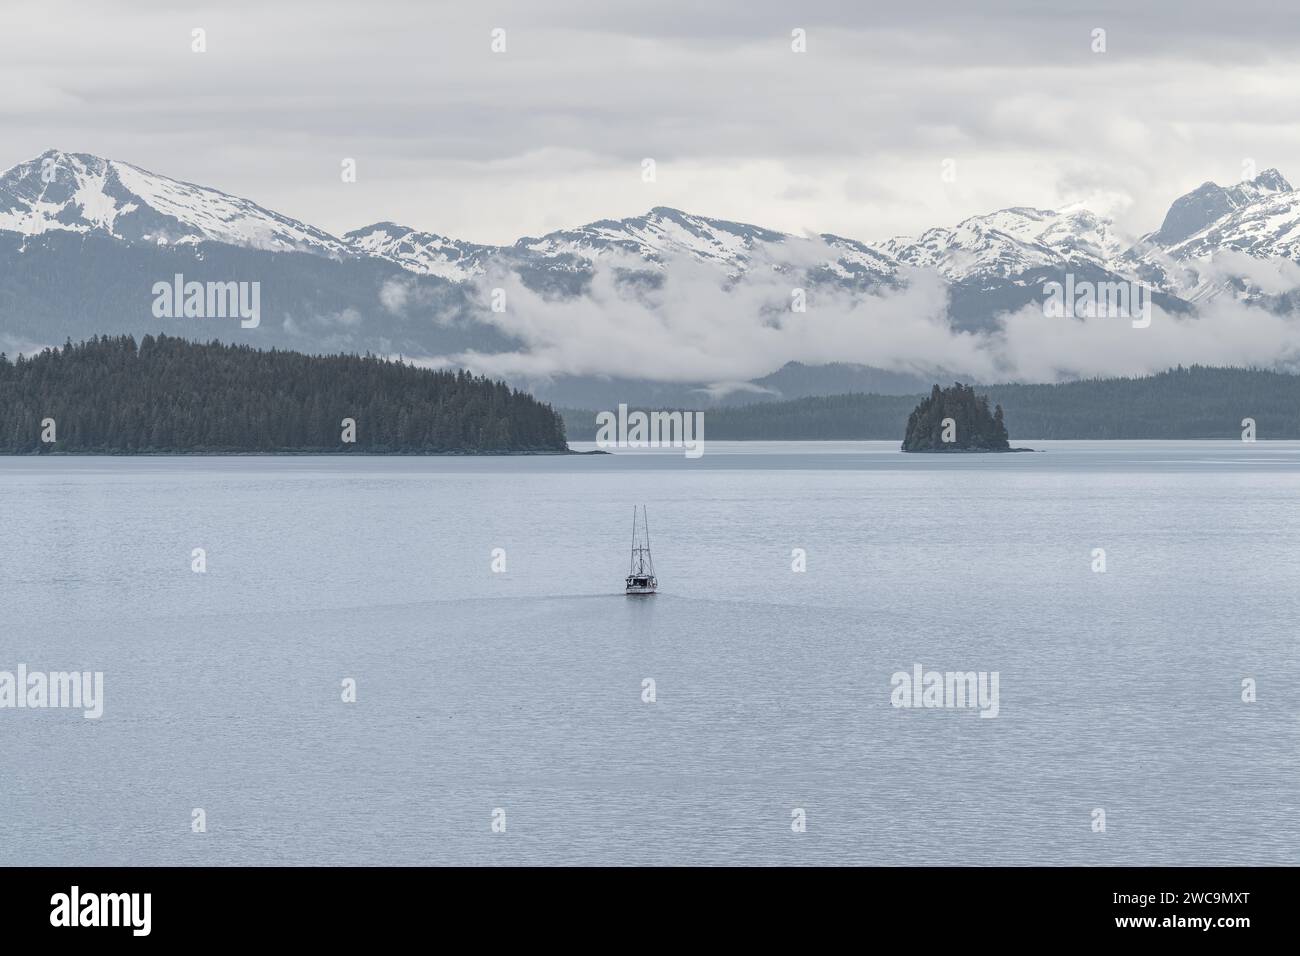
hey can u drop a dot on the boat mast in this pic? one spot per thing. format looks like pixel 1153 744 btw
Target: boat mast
pixel 631 564
pixel 641 551
pixel 646 520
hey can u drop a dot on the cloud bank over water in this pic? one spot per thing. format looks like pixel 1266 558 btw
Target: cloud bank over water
pixel 688 328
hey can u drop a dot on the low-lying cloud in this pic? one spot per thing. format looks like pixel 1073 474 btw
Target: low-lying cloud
pixel 691 328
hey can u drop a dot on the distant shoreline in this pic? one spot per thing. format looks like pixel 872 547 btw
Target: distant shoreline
pixel 1182 404
pixel 964 451
pixel 294 453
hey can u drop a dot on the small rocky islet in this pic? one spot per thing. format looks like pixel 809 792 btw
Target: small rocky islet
pixel 956 420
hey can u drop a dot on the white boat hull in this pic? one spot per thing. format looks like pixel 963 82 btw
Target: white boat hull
pixel 641 584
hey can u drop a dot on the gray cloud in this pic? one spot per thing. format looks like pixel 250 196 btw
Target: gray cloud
pixel 690 329
pixel 846 138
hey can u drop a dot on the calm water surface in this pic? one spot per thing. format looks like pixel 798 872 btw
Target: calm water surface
pixel 523 690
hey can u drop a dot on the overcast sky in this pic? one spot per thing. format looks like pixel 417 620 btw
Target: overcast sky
pixel 849 137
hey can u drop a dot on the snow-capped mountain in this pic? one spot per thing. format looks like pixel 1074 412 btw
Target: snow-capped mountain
pixel 1210 204
pixel 1002 244
pixel 424 253
pixel 652 241
pixel 660 235
pixel 856 262
pixel 1266 229
pixel 83 240
pixel 80 193
pixel 1201 250
pixel 1013 241
pixel 663 235
pixel 992 263
pixel 1267 226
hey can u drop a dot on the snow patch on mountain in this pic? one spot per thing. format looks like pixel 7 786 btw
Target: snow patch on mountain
pixel 1013 241
pixel 77 192
pixel 657 237
pixel 424 253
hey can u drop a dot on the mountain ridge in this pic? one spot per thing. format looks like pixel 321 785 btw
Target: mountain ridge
pixel 92 195
pixel 84 193
pixel 82 240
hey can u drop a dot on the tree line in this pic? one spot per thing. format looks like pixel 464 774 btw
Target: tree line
pixel 1181 403
pixel 110 395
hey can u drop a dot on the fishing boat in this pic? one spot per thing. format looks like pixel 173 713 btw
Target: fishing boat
pixel 641 573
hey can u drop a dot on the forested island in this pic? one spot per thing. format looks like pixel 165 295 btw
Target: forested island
pixel 110 395
pixel 1182 403
pixel 955 419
